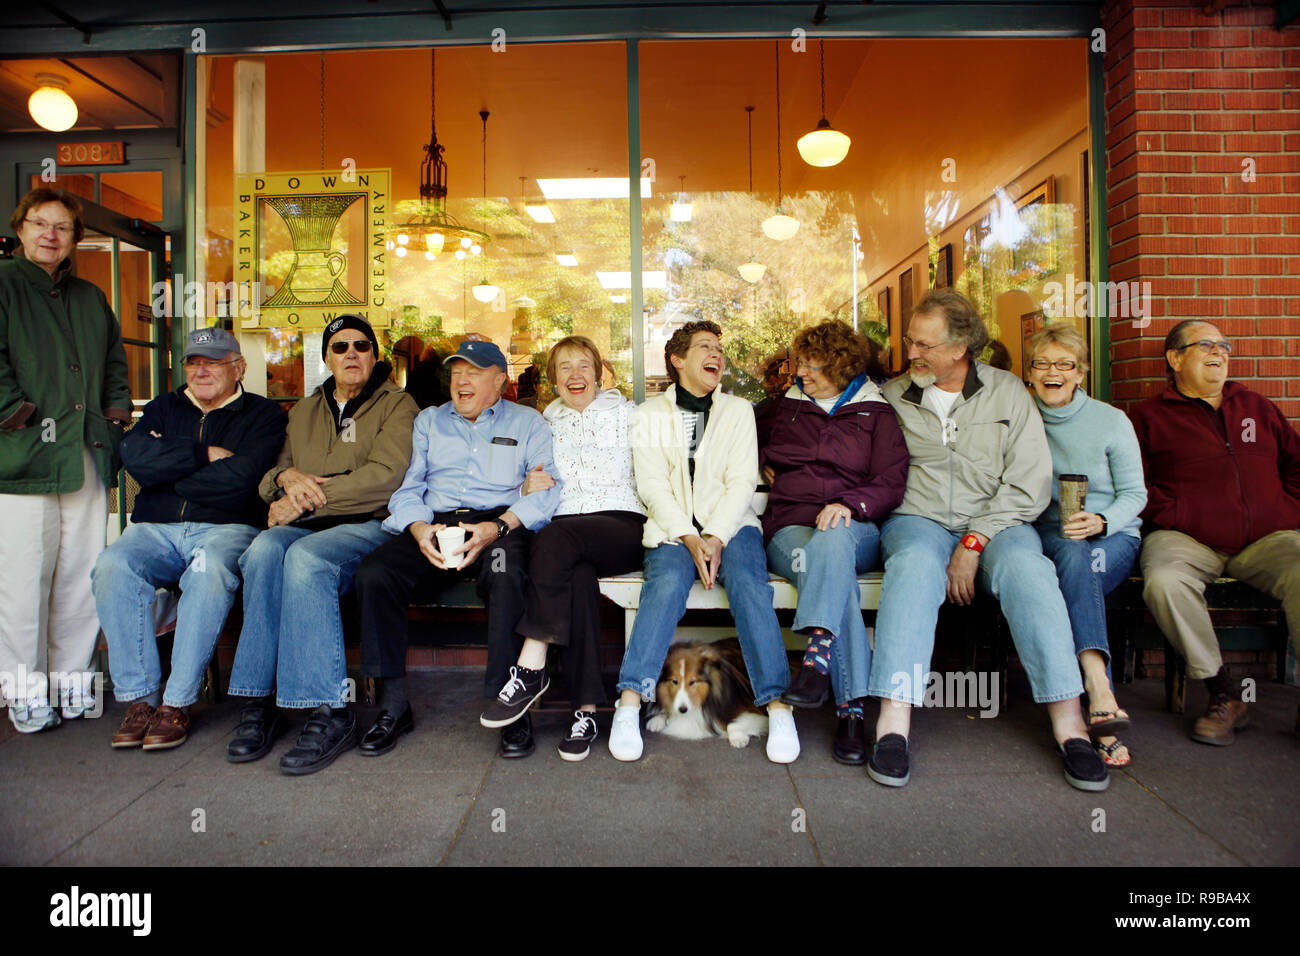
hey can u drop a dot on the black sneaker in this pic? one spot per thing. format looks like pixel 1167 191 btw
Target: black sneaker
pixel 515 699
pixel 577 743
pixel 1084 768
pixel 322 739
pixel 888 764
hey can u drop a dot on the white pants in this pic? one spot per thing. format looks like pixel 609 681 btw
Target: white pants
pixel 48 544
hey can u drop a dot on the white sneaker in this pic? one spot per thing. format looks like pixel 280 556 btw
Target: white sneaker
pixel 32 715
pixel 782 738
pixel 77 696
pixel 625 734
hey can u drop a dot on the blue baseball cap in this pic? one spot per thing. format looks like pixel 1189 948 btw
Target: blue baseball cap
pixel 480 355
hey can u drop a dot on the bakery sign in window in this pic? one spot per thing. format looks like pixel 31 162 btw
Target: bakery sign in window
pixel 311 246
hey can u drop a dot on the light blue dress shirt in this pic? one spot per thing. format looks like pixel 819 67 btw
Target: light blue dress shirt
pixel 456 463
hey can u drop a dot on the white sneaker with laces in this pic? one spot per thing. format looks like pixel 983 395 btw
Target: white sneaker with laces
pixel 625 734
pixel 32 715
pixel 782 738
pixel 77 696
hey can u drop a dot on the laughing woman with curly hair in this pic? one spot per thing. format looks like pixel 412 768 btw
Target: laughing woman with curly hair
pixel 837 463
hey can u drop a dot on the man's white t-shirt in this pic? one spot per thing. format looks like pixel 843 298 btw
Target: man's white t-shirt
pixel 941 402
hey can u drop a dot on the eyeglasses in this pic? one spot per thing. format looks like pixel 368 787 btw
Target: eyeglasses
pixel 194 362
pixel 361 345
pixel 62 228
pixel 1066 366
pixel 908 342
pixel 805 364
pixel 1207 346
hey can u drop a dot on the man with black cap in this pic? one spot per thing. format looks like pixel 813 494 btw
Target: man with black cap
pixel 198 454
pixel 469 459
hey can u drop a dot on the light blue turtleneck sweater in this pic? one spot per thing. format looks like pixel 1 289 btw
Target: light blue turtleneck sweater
pixel 1088 437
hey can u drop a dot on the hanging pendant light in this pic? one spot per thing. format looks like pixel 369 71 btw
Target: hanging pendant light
pixel 824 146
pixel 484 291
pixel 779 226
pixel 751 271
pixel 50 105
pixel 681 209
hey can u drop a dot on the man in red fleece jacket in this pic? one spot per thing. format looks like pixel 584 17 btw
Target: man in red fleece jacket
pixel 1222 468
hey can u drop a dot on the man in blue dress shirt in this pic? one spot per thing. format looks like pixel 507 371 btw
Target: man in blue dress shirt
pixel 469 458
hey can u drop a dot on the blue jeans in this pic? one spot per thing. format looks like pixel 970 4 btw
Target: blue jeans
pixel 292 642
pixel 1012 568
pixel 204 559
pixel 669 574
pixel 1087 572
pixel 828 592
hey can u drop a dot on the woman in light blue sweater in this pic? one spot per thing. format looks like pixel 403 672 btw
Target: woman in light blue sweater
pixel 1095 548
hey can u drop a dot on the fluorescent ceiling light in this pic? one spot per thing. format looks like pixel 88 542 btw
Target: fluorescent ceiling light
pixel 623 280
pixel 595 188
pixel 540 212
pixel 566 258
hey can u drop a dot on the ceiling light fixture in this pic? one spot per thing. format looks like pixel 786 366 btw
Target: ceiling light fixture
pixel 751 271
pixel 597 188
pixel 824 146
pixel 484 291
pixel 681 209
pixel 779 226
pixel 539 211
pixel 50 105
pixel 566 258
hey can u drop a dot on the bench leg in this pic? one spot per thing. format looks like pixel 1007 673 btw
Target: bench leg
pixel 629 618
pixel 368 692
pixel 1175 680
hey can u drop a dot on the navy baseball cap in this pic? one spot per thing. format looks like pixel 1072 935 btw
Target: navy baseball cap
pixel 213 343
pixel 480 355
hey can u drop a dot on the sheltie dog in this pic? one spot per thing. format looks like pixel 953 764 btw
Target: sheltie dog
pixel 703 692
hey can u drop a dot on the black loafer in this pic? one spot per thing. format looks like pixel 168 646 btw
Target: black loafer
pixel 850 741
pixel 889 765
pixel 382 737
pixel 1084 768
pixel 517 738
pixel 321 741
pixel 260 726
pixel 808 689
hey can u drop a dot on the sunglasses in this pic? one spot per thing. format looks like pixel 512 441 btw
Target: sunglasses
pixel 361 345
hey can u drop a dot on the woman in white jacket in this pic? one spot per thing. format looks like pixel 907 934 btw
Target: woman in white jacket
pixel 596 532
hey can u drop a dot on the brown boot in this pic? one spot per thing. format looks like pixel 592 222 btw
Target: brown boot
pixel 132 729
pixel 1222 718
pixel 169 728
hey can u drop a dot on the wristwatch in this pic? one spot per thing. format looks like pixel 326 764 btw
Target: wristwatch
pixel 1102 532
pixel 503 529
pixel 972 543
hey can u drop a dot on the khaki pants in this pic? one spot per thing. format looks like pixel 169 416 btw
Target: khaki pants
pixel 1176 567
pixel 48 544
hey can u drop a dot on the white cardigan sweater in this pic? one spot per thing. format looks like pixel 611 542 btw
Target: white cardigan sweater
pixel 726 469
pixel 593 454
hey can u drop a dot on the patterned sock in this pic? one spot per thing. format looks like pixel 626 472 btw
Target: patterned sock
pixel 528 675
pixel 850 708
pixel 818 655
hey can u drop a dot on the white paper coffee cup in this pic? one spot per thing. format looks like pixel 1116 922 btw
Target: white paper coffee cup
pixel 449 539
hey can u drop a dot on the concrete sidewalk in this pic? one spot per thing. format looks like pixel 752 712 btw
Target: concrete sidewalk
pixel 983 791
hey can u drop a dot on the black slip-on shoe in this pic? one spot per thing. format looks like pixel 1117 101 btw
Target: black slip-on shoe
pixel 260 726
pixel 382 737
pixel 517 738
pixel 850 741
pixel 322 739
pixel 1084 768
pixel 889 765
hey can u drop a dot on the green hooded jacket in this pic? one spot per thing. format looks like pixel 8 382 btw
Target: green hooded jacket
pixel 63 375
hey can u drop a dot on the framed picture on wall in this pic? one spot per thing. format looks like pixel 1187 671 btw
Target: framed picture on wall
pixel 905 297
pixel 1036 251
pixel 941 268
pixel 882 303
pixel 1030 323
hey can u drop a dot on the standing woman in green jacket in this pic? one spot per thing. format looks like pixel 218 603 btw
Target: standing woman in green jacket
pixel 64 402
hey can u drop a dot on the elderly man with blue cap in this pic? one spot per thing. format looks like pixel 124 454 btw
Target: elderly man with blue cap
pixel 198 453
pixel 469 459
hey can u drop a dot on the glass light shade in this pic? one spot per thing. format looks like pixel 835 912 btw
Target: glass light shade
pixel 460 253
pixel 401 251
pixel 390 245
pixel 823 146
pixel 433 241
pixel 681 212
pixel 752 271
pixel 52 109
pixel 403 239
pixel 475 249
pixel 780 227
pixel 485 293
pixel 466 242
pixel 429 255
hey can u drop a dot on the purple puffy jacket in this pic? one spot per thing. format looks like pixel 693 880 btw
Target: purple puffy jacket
pixel 856 456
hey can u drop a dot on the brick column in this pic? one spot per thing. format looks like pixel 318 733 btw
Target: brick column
pixel 1193 102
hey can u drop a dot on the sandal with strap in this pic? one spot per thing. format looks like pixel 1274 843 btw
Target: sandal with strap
pixel 1107 753
pixel 1107 723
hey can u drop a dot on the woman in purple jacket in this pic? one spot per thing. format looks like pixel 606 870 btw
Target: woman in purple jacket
pixel 837 463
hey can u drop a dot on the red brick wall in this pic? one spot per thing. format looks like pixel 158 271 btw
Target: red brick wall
pixel 1188 98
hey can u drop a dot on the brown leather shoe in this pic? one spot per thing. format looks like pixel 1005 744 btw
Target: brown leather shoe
pixel 169 728
pixel 1220 722
pixel 134 725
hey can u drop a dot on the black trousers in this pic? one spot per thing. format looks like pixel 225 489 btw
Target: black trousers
pixel 395 572
pixel 569 554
